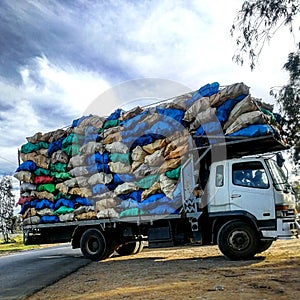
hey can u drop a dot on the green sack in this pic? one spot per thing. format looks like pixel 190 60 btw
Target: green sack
pixel 29 147
pixel 61 195
pixel 72 150
pixel 58 167
pixel 111 123
pixel 43 145
pixel 132 212
pixel 174 174
pixel 61 175
pixel 72 139
pixel 48 187
pixel 63 210
pixel 270 114
pixel 41 171
pixel 147 182
pixel 122 157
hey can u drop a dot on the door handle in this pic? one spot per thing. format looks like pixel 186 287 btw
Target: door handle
pixel 236 196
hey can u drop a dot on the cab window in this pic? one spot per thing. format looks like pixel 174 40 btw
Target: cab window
pixel 250 174
pixel 219 175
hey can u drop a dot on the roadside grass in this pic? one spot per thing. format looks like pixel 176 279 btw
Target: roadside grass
pixel 15 245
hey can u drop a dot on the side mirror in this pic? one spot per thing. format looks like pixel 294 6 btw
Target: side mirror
pixel 279 159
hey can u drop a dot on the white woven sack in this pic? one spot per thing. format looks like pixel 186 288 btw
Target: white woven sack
pixel 125 188
pixel 200 105
pixel 116 147
pixel 246 119
pixel 100 178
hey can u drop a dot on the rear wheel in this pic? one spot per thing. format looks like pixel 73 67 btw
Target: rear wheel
pixel 131 248
pixel 93 244
pixel 264 245
pixel 238 240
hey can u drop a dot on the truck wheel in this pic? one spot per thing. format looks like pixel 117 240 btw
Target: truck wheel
pixel 264 245
pixel 238 240
pixel 131 248
pixel 93 245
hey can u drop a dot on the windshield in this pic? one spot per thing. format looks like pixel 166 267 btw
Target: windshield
pixel 278 176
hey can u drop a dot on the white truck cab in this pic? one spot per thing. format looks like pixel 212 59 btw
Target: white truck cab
pixel 257 188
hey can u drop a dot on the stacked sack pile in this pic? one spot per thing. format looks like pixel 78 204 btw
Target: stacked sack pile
pixel 129 163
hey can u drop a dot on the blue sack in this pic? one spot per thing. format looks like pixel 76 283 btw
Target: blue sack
pixel 97 158
pixel 223 111
pixel 176 114
pixel 44 203
pixel 99 188
pixel 49 219
pixel 90 137
pixel 83 201
pixel 78 121
pixel 98 167
pixel 115 115
pixel 121 178
pixel 130 123
pixel 27 165
pixel 254 130
pixel 163 128
pixel 135 131
pixel 205 91
pixel 135 195
pixel 55 146
pixel 209 128
pixel 63 202
pixel 144 140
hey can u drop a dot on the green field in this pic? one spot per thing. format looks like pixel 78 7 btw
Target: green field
pixel 15 245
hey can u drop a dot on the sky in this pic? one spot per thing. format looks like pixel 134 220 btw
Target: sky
pixel 57 57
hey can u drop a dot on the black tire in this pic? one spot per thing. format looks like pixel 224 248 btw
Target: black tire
pixel 130 249
pixel 140 247
pixel 264 245
pixel 93 244
pixel 238 240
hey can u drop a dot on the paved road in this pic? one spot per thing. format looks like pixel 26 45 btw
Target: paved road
pixel 26 272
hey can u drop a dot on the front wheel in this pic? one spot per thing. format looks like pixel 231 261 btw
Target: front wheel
pixel 238 240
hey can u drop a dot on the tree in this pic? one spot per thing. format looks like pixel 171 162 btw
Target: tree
pixel 255 24
pixel 7 201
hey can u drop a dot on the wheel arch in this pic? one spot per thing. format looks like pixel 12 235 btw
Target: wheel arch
pixel 219 220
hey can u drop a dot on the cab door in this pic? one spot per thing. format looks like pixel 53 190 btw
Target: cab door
pixel 246 193
pixel 218 188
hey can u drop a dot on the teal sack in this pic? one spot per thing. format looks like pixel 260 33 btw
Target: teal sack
pixel 72 150
pixel 132 212
pixel 58 167
pixel 147 182
pixel 43 145
pixel 29 147
pixel 174 174
pixel 41 171
pixel 122 157
pixel 63 210
pixel 111 123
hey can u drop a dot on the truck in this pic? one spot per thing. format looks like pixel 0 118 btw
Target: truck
pixel 243 219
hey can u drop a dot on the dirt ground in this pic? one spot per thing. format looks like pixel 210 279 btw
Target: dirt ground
pixel 188 272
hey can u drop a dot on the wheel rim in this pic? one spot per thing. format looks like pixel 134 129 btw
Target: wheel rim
pixel 92 245
pixel 239 240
